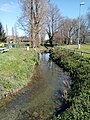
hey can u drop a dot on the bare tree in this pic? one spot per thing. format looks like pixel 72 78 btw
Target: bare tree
pixel 67 30
pixel 6 30
pixel 53 19
pixel 83 29
pixel 16 33
pixel 88 17
pixel 88 23
pixel 33 18
pixel 13 34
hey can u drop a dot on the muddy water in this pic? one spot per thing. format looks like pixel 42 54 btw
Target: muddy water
pixel 41 98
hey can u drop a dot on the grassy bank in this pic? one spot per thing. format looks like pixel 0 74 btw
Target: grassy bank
pixel 84 49
pixel 79 97
pixel 16 68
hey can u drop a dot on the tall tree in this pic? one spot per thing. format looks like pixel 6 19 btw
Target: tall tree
pixel 33 18
pixel 88 18
pixel 67 30
pixel 6 30
pixel 53 19
pixel 2 34
pixel 83 29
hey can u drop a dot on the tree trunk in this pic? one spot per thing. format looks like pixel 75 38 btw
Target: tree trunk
pixel 32 25
pixel 37 23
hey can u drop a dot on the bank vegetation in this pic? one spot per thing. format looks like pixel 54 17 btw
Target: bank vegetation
pixel 16 69
pixel 78 68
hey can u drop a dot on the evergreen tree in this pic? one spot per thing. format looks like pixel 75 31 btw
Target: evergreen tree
pixel 2 34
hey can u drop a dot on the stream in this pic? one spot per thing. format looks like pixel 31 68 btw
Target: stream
pixel 42 97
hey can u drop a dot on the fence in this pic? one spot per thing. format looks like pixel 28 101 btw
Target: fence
pixel 76 51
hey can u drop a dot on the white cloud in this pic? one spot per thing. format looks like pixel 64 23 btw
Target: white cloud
pixel 7 7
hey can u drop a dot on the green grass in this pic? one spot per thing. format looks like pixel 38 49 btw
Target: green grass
pixel 16 68
pixel 84 48
pixel 78 99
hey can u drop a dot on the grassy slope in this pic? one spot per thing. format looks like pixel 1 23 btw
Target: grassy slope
pixel 79 69
pixel 16 68
pixel 84 48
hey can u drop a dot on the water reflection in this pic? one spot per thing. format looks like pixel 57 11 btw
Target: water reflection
pixel 41 98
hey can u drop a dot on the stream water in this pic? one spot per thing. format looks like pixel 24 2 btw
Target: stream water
pixel 42 97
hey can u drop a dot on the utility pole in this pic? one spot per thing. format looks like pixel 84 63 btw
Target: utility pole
pixel 79 24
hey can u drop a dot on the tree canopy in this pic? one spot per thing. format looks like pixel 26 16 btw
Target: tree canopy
pixel 2 34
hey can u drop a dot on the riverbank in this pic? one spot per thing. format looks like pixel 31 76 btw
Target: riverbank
pixel 78 68
pixel 16 70
pixel 83 51
pixel 40 99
